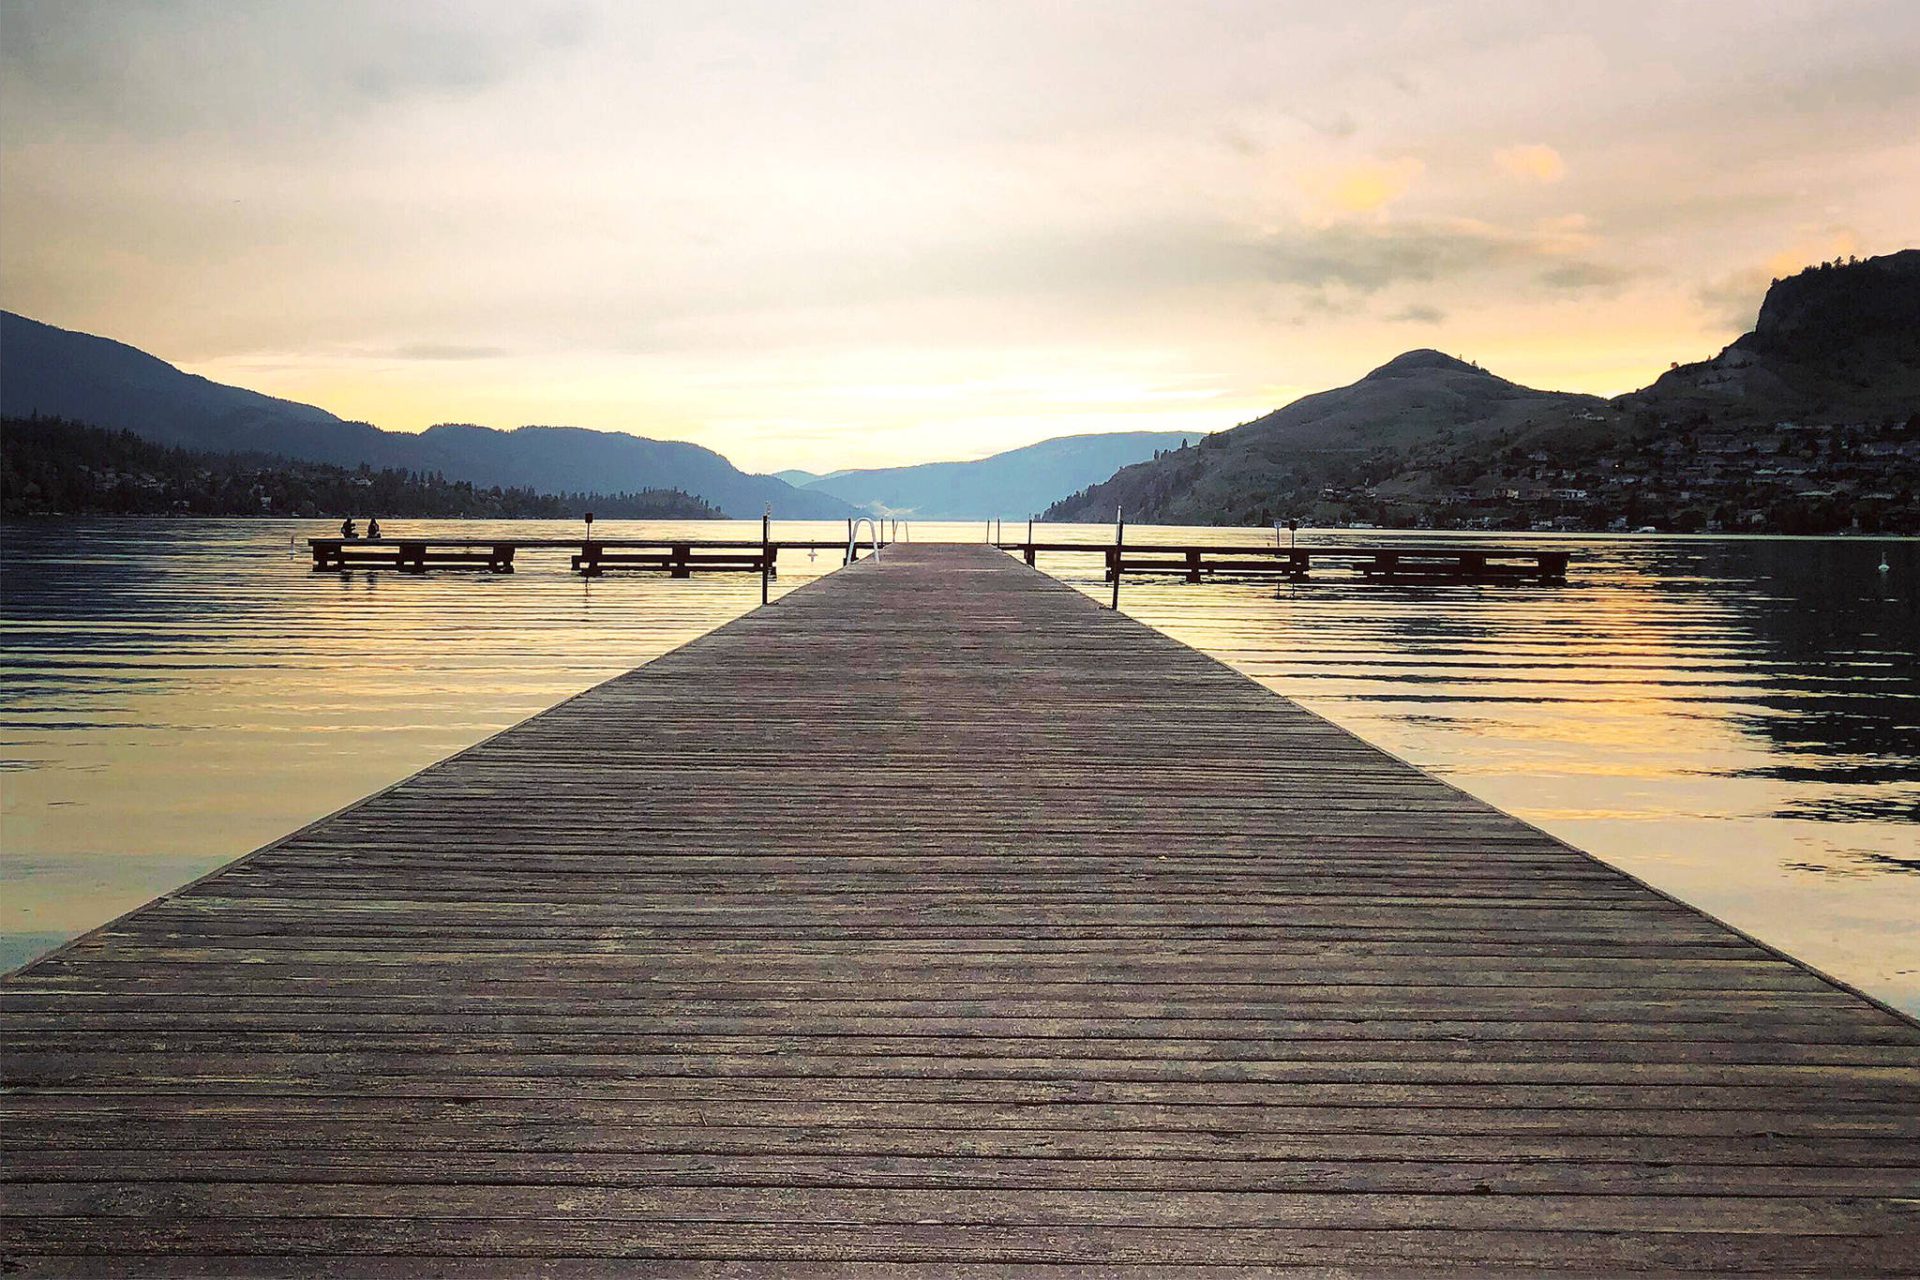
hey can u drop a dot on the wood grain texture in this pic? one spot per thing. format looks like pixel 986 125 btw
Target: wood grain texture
pixel 935 921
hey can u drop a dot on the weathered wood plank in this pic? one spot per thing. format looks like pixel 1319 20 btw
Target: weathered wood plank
pixel 230 1243
pixel 1512 1171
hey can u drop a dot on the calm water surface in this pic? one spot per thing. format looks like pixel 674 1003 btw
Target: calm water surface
pixel 179 692
pixel 1735 721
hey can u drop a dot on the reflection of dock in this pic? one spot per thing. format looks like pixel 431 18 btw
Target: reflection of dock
pixel 1400 563
pixel 934 915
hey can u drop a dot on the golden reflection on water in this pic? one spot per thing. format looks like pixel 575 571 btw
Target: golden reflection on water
pixel 1734 721
pixel 180 692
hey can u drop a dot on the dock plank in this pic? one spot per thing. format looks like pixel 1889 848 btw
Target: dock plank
pixel 934 920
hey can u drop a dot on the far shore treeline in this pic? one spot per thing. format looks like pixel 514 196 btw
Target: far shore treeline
pixel 52 466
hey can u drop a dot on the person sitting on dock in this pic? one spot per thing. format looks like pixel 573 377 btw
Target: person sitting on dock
pixel 373 527
pixel 347 530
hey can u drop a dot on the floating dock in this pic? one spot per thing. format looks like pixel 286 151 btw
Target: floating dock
pixel 935 921
pixel 1403 562
pixel 677 557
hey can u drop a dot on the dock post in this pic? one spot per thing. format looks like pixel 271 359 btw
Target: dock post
pixel 766 551
pixel 681 565
pixel 1193 565
pixel 1119 552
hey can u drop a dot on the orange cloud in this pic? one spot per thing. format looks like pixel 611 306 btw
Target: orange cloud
pixel 1540 163
pixel 1836 243
pixel 1366 187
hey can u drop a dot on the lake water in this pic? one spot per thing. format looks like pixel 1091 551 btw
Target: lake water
pixel 1736 721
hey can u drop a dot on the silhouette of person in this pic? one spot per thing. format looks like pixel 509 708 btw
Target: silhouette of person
pixel 373 527
pixel 347 529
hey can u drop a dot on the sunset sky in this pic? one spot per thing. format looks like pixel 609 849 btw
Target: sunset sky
pixel 843 234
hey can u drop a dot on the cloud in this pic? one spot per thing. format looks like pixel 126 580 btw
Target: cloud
pixel 1816 247
pixel 443 351
pixel 1365 187
pixel 1733 300
pixel 1537 162
pixel 1568 234
pixel 1240 142
pixel 1371 258
pixel 1334 124
pixel 1336 268
pixel 1579 275
pixel 228 71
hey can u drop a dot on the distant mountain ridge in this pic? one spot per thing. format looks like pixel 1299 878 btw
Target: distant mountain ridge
pixel 1837 344
pixel 1016 483
pixel 1836 340
pixel 1417 398
pixel 53 467
pixel 54 372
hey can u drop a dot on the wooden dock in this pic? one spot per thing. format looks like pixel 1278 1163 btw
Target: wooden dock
pixel 677 557
pixel 1400 562
pixel 936 921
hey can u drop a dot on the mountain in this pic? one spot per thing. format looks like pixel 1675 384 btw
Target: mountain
pixel 796 477
pixel 53 372
pixel 1808 424
pixel 564 459
pixel 1016 483
pixel 54 467
pixel 1840 341
pixel 1273 466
